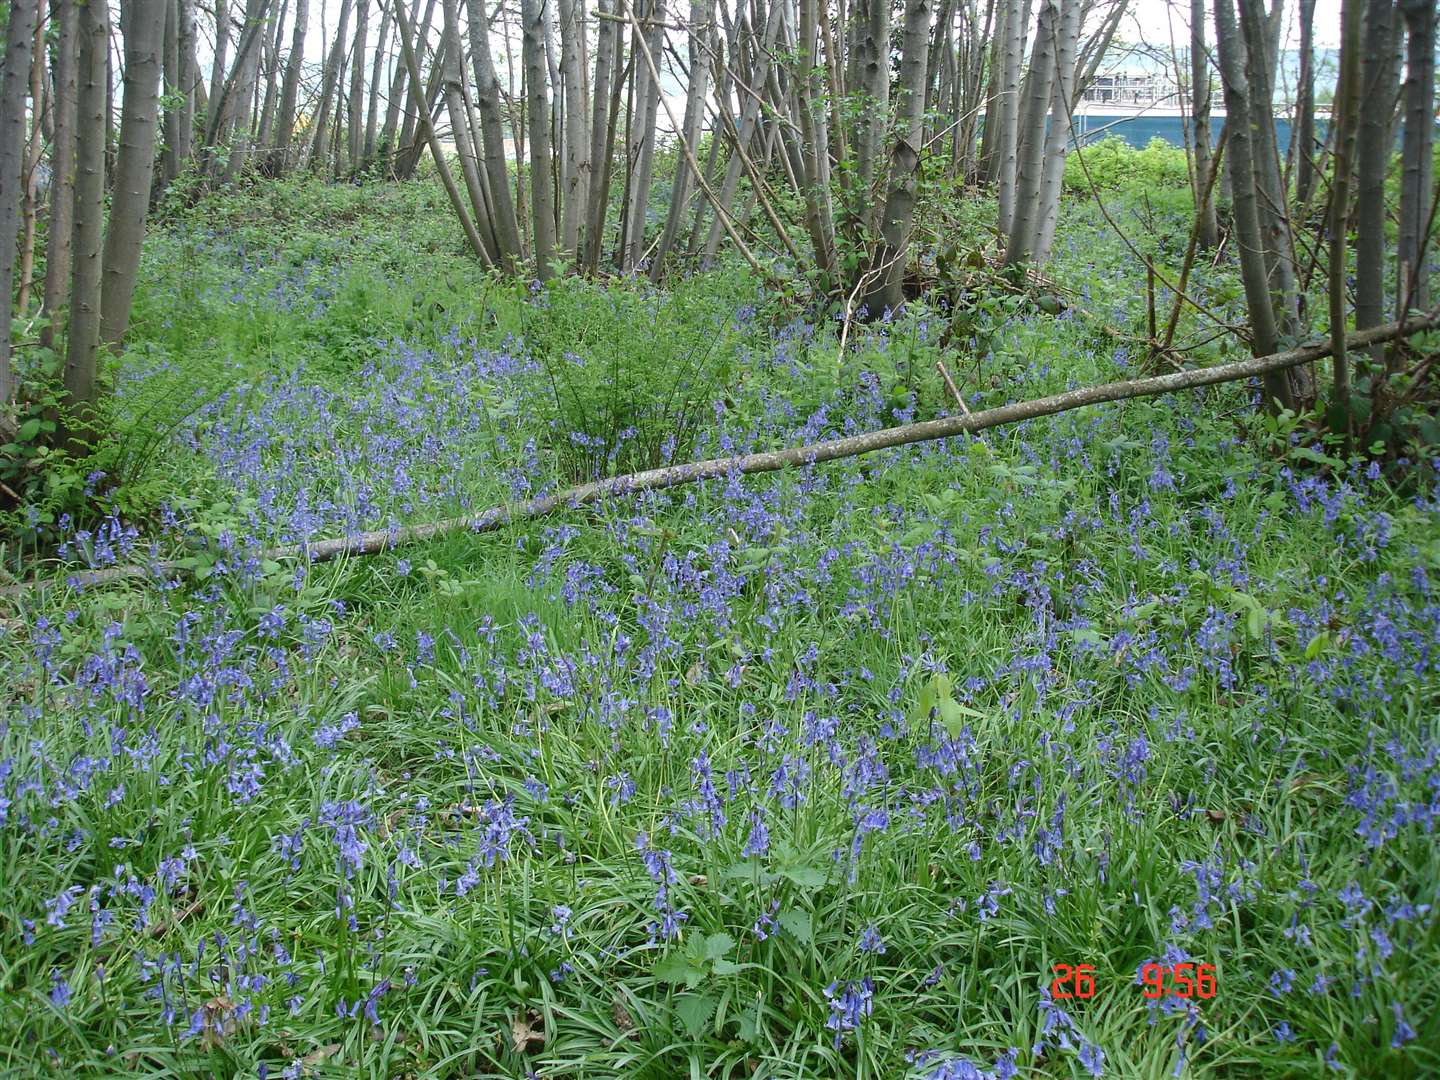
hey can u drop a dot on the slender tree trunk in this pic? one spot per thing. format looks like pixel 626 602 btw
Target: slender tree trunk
pixel 1379 83
pixel 30 166
pixel 377 75
pixel 994 90
pixel 701 13
pixel 170 162
pixel 389 145
pixel 14 84
pixel 220 60
pixel 355 135
pixel 190 82
pixel 271 66
pixel 460 132
pixel 1304 141
pixel 320 147
pixel 746 131
pixel 427 132
pixel 889 266
pixel 82 353
pixel 1343 116
pixel 1030 165
pixel 1249 240
pixel 1057 136
pixel 492 135
pixel 873 71
pixel 1260 36
pixel 290 89
pixel 604 105
pixel 239 94
pixel 542 195
pixel 641 149
pixel 1008 137
pixel 574 196
pixel 1416 158
pixel 809 83
pixel 1207 231
pixel 144 25
pixel 66 16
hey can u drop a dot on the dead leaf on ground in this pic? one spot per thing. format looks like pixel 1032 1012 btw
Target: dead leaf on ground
pixel 317 1056
pixel 1215 816
pixel 699 880
pixel 621 1015
pixel 526 1028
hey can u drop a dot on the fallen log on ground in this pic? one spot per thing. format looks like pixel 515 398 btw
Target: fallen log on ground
pixel 370 543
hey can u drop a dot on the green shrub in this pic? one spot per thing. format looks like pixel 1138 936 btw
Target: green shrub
pixel 1114 163
pixel 632 371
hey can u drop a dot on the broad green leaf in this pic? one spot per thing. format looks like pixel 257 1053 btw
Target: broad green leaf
pixel 676 968
pixel 798 924
pixel 695 1011
pixel 717 945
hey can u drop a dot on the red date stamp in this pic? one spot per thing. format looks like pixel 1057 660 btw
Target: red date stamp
pixel 1072 981
pixel 1076 982
pixel 1179 980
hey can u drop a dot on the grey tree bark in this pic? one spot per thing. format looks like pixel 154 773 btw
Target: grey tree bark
pixel 701 13
pixel 377 76
pixel 889 264
pixel 1379 84
pixel 492 136
pixel 640 149
pixel 809 84
pixel 872 48
pixel 604 105
pixel 290 89
pixel 1208 230
pixel 82 344
pixel 143 22
pixel 320 144
pixel 574 194
pixel 14 87
pixel 460 132
pixel 537 112
pixel 1416 158
pixel 1030 162
pixel 1249 239
pixel 1303 144
pixel 355 112
pixel 1344 116
pixel 1007 134
pixel 1057 134
pixel 65 14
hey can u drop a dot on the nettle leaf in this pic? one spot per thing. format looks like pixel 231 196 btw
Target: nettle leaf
pixel 717 945
pixel 695 1011
pixel 750 870
pixel 28 430
pixel 750 1024
pixel 726 967
pixel 677 968
pixel 798 924
pixel 806 878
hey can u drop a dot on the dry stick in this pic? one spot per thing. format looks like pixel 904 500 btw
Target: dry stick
pixel 954 390
pixel 1174 320
pixel 371 543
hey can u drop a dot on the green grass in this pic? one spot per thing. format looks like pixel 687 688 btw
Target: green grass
pixel 1129 684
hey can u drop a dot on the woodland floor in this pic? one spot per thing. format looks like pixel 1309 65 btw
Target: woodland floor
pixel 809 775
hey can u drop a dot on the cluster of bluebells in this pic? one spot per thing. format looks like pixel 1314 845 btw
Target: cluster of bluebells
pixel 738 686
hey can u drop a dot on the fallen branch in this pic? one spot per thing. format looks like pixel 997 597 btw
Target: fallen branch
pixel 371 543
